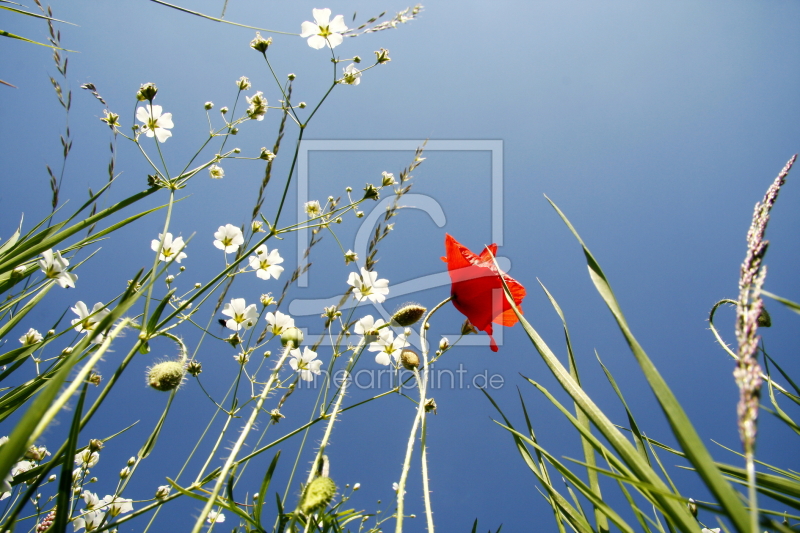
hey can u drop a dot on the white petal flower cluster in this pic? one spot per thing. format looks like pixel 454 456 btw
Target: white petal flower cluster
pixel 323 31
pixel 55 267
pixel 368 286
pixel 228 238
pixel 266 263
pixel 95 511
pixel 171 249
pixel 306 363
pixel 155 123
pixel 243 316
pixel 279 322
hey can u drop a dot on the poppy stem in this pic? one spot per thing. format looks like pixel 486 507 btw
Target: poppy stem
pixel 420 418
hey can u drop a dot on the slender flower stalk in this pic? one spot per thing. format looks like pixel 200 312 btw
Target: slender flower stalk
pixel 422 382
pixel 748 309
pixel 223 475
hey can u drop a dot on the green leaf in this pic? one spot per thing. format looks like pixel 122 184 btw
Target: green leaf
pixel 65 479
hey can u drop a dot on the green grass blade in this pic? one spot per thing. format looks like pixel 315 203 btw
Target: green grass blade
pixel 637 435
pixel 148 446
pixel 4 33
pixel 588 451
pixel 682 428
pixel 262 493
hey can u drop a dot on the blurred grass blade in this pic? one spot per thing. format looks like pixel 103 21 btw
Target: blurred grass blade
pixel 682 428
pixel 36 15
pixel 65 479
pixel 788 303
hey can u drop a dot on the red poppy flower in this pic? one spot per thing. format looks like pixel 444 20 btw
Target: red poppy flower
pixel 477 290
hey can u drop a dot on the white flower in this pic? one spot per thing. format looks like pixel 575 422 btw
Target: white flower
pixel 216 172
pixel 90 520
pixel 368 328
pixel 117 505
pixel 91 499
pixel 258 106
pixel 87 320
pixel 350 256
pixel 352 76
pixel 305 363
pixel 55 267
pixel 312 208
pixel 171 248
pixel 279 322
pixel 154 122
pixel 215 517
pixel 396 487
pixel 21 467
pixel 243 83
pixel 228 238
pixel 368 286
pixel 266 264
pixel 87 459
pixel 389 349
pixel 243 316
pixel 323 31
pixel 31 337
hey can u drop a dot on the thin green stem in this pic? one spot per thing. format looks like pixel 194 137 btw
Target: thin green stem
pixel 419 419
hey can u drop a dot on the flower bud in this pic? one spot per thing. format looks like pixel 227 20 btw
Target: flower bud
pixel 371 192
pixel 166 376
pixel 444 344
pixel 430 405
pixel 147 92
pixel 388 179
pixel 237 150
pixel 356 486
pixel 162 492
pixel 124 473
pixel 260 44
pixel 95 445
pixel 410 359
pixel 18 272
pixel 764 320
pixel 194 368
pixel 356 59
pixel 223 110
pixel 267 300
pixel 209 105
pixel 467 328
pixel 382 56
pixel 132 461
pixel 292 336
pixel 234 131
pixel 408 314
pixel 52 478
pixel 275 415
pixel 692 507
pixel 243 83
pixel 266 155
pixel 318 495
pixel 169 279
pixel 291 77
pixel 302 105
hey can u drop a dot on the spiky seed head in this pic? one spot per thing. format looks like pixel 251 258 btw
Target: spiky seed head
pixel 318 495
pixel 166 376
pixel 408 314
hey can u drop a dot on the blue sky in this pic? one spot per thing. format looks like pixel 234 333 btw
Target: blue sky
pixel 655 126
